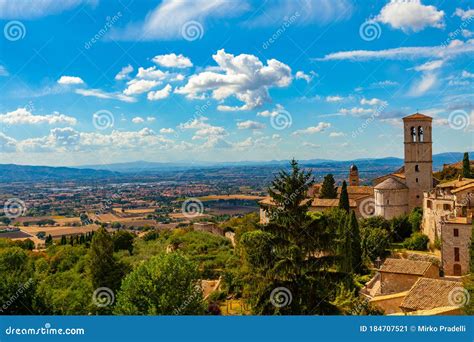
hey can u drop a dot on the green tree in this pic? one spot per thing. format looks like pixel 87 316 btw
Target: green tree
pixel 167 284
pixel 63 240
pixel 123 240
pixel 416 242
pixel 344 198
pixel 48 241
pixel 401 228
pixel 356 251
pixel 17 283
pixel 285 254
pixel 104 269
pixel 466 166
pixel 415 218
pixel 328 188
pixel 374 243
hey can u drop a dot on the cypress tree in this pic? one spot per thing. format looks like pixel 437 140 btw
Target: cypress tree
pixel 466 166
pixel 63 240
pixel 328 189
pixel 344 198
pixel 104 269
pixel 356 250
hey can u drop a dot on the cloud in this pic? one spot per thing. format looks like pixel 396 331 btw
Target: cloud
pixel 464 15
pixel 169 19
pixel 356 111
pixel 40 8
pixel 373 102
pixel 467 33
pixel 425 83
pixel 430 65
pixel 204 130
pixel 7 144
pixel 455 48
pixel 300 75
pixel 243 76
pixel 136 86
pixel 138 120
pixel 336 134
pixel 383 84
pixel 150 119
pixel 104 95
pixel 467 74
pixel 167 131
pixel 70 80
pixel 249 124
pixel 320 127
pixel 23 116
pixel 160 94
pixel 124 73
pixel 274 112
pixel 151 73
pixel 410 16
pixel 173 61
pixel 334 98
pixel 68 139
pixel 312 145
pixel 3 71
pixel 320 12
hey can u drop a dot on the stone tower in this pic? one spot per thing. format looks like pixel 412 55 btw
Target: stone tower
pixel 418 157
pixel 353 175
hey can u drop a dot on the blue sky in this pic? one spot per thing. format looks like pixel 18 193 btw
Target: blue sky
pixel 100 81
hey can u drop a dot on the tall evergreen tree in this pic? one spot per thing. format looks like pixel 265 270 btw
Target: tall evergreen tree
pixel 466 166
pixel 328 188
pixel 63 240
pixel 104 269
pixel 285 253
pixel 344 198
pixel 356 250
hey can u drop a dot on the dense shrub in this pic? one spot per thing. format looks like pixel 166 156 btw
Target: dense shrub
pixel 416 242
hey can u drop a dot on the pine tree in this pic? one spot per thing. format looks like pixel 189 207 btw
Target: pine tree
pixel 49 240
pixel 466 166
pixel 71 240
pixel 344 198
pixel 328 189
pixel 63 240
pixel 356 250
pixel 286 251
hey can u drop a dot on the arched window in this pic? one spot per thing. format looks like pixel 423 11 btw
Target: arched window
pixel 420 134
pixel 413 134
pixel 417 168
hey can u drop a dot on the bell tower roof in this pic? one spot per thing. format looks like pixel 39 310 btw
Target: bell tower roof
pixel 417 116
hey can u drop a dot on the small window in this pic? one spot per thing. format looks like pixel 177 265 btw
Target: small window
pixel 456 232
pixel 387 202
pixel 446 207
pixel 417 196
pixel 417 180
pixel 417 168
pixel 429 204
pixel 456 254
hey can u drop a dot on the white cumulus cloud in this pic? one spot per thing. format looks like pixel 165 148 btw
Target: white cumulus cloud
pixel 173 61
pixel 70 80
pixel 23 116
pixel 159 94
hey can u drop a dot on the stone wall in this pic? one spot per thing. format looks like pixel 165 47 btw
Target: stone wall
pixel 449 242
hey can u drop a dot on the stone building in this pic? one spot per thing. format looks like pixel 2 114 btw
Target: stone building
pixel 447 220
pixel 391 198
pixel 353 175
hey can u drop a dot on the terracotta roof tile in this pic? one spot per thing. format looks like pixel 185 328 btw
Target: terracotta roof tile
pixel 418 116
pixel 428 293
pixel 405 266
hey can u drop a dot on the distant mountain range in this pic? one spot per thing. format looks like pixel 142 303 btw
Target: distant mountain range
pixel 143 166
pixel 21 173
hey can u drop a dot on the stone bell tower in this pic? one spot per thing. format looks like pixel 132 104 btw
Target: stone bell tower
pixel 353 175
pixel 418 157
